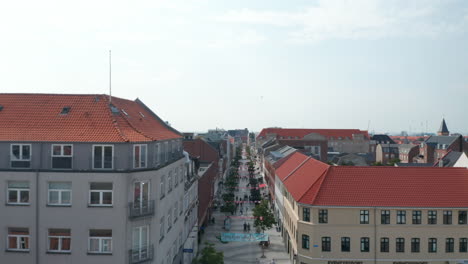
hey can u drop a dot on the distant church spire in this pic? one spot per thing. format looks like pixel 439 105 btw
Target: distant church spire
pixel 443 131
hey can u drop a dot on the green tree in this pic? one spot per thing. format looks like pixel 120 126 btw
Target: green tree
pixel 393 161
pixel 209 255
pixel 264 218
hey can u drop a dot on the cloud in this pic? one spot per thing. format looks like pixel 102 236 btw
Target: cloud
pixel 360 19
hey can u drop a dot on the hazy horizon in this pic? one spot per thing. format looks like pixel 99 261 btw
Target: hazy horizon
pixel 251 64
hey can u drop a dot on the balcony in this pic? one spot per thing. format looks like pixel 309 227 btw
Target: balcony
pixel 144 209
pixel 141 255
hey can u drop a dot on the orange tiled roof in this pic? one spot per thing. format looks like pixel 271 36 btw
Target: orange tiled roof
pixel 317 183
pixel 301 132
pixel 37 117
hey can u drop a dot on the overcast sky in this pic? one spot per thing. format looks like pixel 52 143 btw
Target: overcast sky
pixel 243 63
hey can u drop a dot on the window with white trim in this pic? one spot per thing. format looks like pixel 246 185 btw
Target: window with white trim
pixel 100 194
pixel 139 156
pixel 103 156
pixel 100 241
pixel 176 207
pixel 176 177
pixel 62 156
pixel 181 171
pixel 169 220
pixel 59 193
pixel 59 240
pixel 18 239
pixel 157 153
pixel 18 192
pixel 166 151
pixel 20 155
pixel 162 186
pixel 169 182
pixel 181 205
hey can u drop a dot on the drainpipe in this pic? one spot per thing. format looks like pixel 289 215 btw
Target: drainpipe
pixel 37 215
pixel 375 235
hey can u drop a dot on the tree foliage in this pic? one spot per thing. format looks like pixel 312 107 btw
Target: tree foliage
pixel 264 218
pixel 209 255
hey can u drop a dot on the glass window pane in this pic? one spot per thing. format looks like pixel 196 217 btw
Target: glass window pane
pixel 53 197
pixel 143 156
pixel 67 150
pixel 12 196
pixel 12 242
pixel 108 157
pixel 101 186
pixel 18 184
pixel 53 243
pixel 26 152
pixel 94 244
pixel 95 198
pixel 66 197
pixel 97 157
pixel 24 196
pixel 15 151
pixel 60 185
pixel 66 243
pixel 57 150
pixel 107 198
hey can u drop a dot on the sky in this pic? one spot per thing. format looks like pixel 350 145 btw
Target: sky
pixel 382 65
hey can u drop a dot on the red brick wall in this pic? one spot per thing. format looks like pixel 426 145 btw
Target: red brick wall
pixel 205 194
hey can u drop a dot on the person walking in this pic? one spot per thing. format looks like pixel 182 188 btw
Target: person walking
pixel 248 227
pixel 245 226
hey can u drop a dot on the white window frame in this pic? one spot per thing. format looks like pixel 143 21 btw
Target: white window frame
pixel 62 155
pixel 60 238
pixel 101 195
pixel 60 191
pixel 142 204
pixel 140 165
pixel 174 211
pixel 101 242
pixel 169 182
pixel 18 242
pixel 18 194
pixel 12 157
pixel 103 157
pixel 162 186
pixel 169 220
pixel 141 244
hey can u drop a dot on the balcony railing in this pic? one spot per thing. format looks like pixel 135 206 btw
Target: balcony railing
pixel 141 255
pixel 141 209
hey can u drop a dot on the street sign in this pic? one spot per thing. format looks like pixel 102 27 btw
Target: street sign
pixel 188 250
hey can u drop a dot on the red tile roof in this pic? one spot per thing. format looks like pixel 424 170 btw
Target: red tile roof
pixel 317 183
pixel 301 132
pixel 289 164
pixel 37 117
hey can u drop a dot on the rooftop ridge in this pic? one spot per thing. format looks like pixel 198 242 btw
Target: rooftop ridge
pixel 114 121
pixel 294 170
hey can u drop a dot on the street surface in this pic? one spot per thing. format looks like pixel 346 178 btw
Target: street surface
pixel 244 252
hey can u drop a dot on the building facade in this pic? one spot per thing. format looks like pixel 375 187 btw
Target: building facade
pixel 343 214
pixel 88 179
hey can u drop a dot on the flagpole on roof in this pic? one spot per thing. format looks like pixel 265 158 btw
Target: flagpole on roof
pixel 110 77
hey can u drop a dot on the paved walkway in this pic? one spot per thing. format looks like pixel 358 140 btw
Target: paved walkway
pixel 244 252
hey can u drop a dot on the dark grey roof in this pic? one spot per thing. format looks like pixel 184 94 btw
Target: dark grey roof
pixel 451 158
pixel 443 127
pixel 382 139
pixel 447 140
pixel 399 164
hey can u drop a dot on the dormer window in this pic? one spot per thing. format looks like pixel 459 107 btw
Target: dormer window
pixel 65 110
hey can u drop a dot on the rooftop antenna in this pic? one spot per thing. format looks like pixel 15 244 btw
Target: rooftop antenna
pixel 110 76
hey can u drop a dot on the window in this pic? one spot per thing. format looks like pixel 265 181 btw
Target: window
pixel 59 193
pixel 326 244
pixel 18 239
pixel 364 244
pixel 100 241
pixel 416 217
pixel 400 244
pixel 323 216
pixel 432 245
pixel 169 182
pixel 62 156
pixel 447 217
pixel 162 186
pixel 401 217
pixel 20 155
pixel 169 220
pixel 103 156
pixel 384 244
pixel 181 171
pixel 306 214
pixel 176 207
pixel 305 242
pixel 140 244
pixel 463 247
pixel 449 245
pixel 139 156
pixel 385 217
pixel 157 159
pixel 161 228
pixel 59 240
pixel 100 194
pixel 415 244
pixel 462 217
pixel 345 244
pixel 181 205
pixel 18 192
pixel 176 177
pixel 432 217
pixel 166 151
pixel 364 218
pixel 141 196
